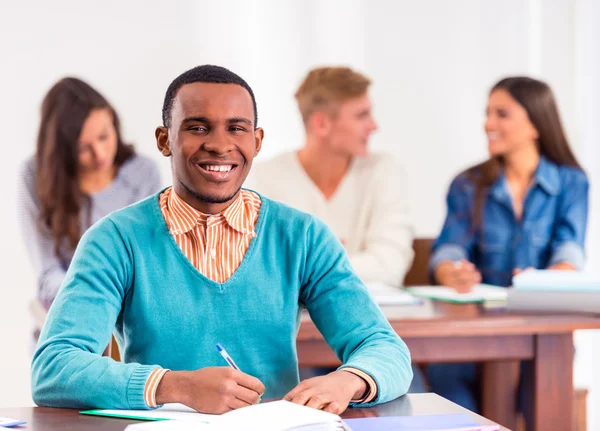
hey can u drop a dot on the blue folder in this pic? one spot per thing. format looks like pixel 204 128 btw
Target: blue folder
pixel 449 422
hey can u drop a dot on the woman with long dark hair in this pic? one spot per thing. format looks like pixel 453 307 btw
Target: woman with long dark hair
pixel 525 207
pixel 82 170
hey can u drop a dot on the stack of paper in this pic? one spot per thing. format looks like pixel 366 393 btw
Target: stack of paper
pixel 570 291
pixel 547 280
pixel 273 416
pixel 480 293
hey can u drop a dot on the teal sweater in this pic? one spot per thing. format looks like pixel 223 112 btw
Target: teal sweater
pixel 128 273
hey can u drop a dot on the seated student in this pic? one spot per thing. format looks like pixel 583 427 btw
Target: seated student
pixel 524 207
pixel 360 195
pixel 82 171
pixel 205 262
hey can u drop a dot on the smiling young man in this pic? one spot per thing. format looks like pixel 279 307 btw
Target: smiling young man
pixel 205 262
pixel 362 196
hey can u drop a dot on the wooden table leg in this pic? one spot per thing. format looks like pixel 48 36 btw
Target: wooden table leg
pixel 500 385
pixel 548 384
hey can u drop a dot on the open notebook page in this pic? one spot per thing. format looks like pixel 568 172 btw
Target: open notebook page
pixel 272 416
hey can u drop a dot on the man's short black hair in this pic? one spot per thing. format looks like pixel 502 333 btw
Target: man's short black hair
pixel 206 73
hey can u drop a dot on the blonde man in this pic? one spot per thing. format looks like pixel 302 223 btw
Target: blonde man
pixel 360 195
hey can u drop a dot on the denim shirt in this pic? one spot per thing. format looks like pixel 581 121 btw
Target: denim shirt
pixel 552 228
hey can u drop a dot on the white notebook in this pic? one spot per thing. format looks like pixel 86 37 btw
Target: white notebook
pixel 273 416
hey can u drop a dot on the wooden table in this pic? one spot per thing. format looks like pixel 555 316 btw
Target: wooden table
pixel 437 332
pixel 49 419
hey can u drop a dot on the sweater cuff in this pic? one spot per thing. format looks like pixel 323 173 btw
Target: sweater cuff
pixel 371 392
pixel 447 252
pixel 137 386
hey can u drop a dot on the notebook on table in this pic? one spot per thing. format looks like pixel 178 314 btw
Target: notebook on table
pixel 272 416
pixel 389 295
pixel 480 293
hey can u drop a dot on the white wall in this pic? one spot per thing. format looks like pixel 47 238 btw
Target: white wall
pixel 432 63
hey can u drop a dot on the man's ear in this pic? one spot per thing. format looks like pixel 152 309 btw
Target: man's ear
pixel 162 141
pixel 319 123
pixel 259 135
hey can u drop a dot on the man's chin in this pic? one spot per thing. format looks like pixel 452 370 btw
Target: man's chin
pixel 211 196
pixel 217 197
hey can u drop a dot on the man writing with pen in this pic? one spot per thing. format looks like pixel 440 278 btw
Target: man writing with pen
pixel 206 262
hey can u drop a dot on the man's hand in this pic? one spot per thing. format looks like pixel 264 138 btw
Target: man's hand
pixel 213 390
pixel 331 393
pixel 461 275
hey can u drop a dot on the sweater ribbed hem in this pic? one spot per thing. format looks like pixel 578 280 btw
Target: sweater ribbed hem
pixel 137 385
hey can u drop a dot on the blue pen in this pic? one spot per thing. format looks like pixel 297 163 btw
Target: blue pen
pixel 226 356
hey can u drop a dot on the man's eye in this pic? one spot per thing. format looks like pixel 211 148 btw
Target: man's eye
pixel 198 128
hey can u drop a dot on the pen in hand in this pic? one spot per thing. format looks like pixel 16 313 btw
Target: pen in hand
pixel 226 356
pixel 230 361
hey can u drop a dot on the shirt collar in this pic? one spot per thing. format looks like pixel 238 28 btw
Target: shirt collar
pixel 236 215
pixel 499 190
pixel 546 177
pixel 189 217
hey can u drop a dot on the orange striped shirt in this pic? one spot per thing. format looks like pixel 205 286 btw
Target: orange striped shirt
pixel 216 245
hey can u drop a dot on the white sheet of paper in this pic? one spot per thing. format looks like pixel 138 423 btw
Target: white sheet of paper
pixel 282 415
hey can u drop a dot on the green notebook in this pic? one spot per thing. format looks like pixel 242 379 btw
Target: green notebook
pixel 480 293
pixel 166 412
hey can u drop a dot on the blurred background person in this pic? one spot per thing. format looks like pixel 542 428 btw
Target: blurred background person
pixel 525 207
pixel 81 171
pixel 362 196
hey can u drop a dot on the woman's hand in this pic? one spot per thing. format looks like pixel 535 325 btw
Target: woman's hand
pixel 461 275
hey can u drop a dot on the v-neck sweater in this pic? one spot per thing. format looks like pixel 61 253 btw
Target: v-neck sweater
pixel 128 272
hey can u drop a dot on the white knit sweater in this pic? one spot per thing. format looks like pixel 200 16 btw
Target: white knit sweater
pixel 368 212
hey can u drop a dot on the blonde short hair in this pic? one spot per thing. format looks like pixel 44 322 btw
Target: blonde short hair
pixel 325 88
